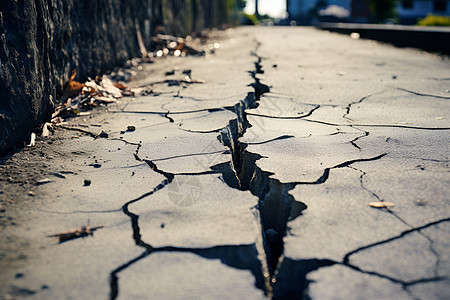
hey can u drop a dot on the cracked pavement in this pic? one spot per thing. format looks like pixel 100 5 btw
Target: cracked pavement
pixel 255 184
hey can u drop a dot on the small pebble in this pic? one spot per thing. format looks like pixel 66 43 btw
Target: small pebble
pixel 87 182
pixel 103 134
pixel 43 181
pixel 131 128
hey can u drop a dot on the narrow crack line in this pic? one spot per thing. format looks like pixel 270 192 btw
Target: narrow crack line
pixel 166 115
pixel 286 117
pixel 348 107
pixel 428 159
pixel 215 99
pixel 132 166
pixel 422 94
pixel 204 131
pixel 114 279
pixel 134 218
pixel 87 132
pixel 350 162
pixel 211 172
pixel 283 137
pixel 189 155
pixel 80 211
pixel 163 106
pixel 326 172
pixel 291 97
pixel 346 258
pixel 377 125
pixel 136 153
pixel 125 141
pixel 373 194
pixel 434 252
pixel 162 113
pixel 353 142
pixel 430 241
pixel 172 82
pixel 439 79
pixel 403 283
pixel 372 273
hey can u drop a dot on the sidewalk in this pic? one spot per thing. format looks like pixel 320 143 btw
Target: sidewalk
pixel 262 182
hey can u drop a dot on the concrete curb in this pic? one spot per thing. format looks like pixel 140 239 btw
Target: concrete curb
pixel 434 39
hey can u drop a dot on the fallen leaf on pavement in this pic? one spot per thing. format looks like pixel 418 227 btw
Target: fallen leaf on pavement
pixel 120 86
pixel 74 234
pixel 73 87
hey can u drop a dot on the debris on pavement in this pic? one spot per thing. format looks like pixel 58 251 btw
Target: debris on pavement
pixel 87 182
pixel 103 134
pixel 380 204
pixel 32 140
pixel 59 175
pixel 43 181
pixel 73 87
pixel 169 73
pixel 45 129
pixel 77 233
pixel 131 128
pixel 169 44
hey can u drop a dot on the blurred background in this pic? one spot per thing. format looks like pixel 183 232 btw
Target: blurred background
pixel 311 12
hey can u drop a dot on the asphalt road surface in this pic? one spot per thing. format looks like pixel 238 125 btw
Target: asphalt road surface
pixel 308 165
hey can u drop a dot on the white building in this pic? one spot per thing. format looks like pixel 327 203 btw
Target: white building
pixel 300 9
pixel 408 10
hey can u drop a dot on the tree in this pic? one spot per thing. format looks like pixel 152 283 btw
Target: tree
pixel 383 9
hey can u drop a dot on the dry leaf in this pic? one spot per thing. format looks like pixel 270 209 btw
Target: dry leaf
pixel 73 234
pixel 120 86
pixel 381 204
pixel 73 87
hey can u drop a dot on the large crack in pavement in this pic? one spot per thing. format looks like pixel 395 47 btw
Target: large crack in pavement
pixel 276 207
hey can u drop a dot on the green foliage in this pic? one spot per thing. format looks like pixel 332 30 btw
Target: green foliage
pixel 247 19
pixel 235 5
pixel 383 9
pixel 433 20
pixel 241 4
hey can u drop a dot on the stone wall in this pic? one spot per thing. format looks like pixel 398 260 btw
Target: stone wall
pixel 42 41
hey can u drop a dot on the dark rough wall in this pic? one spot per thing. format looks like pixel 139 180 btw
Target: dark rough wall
pixel 42 41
